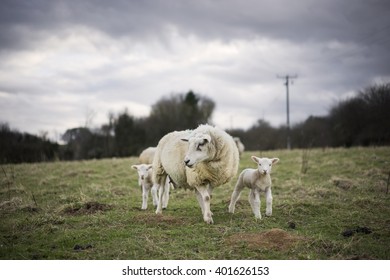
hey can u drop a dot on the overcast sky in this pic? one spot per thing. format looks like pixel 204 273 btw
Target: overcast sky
pixel 63 62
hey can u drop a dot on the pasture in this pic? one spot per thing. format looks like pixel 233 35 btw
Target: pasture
pixel 328 204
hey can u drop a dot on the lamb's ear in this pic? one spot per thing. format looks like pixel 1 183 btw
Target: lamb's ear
pixel 274 161
pixel 134 167
pixel 255 159
pixel 149 167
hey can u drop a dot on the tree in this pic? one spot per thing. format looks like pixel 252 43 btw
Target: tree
pixel 376 102
pixel 78 142
pixel 362 120
pixel 314 132
pixel 261 136
pixel 17 147
pixel 129 135
pixel 178 112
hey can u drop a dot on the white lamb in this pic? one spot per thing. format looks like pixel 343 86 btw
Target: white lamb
pixel 258 180
pixel 145 182
pixel 147 155
pixel 200 159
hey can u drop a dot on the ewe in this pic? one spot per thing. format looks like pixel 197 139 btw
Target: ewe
pixel 199 159
pixel 145 182
pixel 258 180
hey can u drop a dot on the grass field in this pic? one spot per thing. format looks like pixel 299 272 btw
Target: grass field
pixel 328 204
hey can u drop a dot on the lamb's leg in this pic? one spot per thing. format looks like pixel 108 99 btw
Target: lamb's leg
pixel 268 194
pixel 236 195
pixel 161 191
pixel 203 194
pixel 155 194
pixel 254 200
pixel 145 194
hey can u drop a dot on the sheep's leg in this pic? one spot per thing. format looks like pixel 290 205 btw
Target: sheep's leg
pixel 203 194
pixel 268 194
pixel 235 195
pixel 161 191
pixel 166 194
pixel 155 194
pixel 210 191
pixel 145 195
pixel 200 200
pixel 254 200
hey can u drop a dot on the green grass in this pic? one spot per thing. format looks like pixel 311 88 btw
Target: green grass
pixel 91 210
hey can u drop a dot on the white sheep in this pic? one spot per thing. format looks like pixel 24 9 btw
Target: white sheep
pixel 258 180
pixel 199 159
pixel 145 182
pixel 147 155
pixel 240 146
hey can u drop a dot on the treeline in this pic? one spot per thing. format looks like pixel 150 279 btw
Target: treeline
pixel 363 120
pixel 359 121
pixel 125 135
pixel 16 147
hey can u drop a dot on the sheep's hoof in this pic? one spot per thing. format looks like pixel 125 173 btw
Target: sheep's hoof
pixel 268 214
pixel 258 218
pixel 209 221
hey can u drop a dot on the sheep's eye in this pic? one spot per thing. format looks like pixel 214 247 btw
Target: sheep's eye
pixel 270 164
pixel 259 164
pixel 198 148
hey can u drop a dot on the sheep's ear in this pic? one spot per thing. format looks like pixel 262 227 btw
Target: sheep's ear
pixel 149 167
pixel 274 161
pixel 134 167
pixel 255 159
pixel 207 138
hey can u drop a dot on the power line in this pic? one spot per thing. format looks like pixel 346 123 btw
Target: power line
pixel 288 78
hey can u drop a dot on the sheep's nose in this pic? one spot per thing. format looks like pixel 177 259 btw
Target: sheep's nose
pixel 142 177
pixel 186 161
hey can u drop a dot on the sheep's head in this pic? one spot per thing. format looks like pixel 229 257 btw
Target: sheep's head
pixel 198 149
pixel 264 165
pixel 142 170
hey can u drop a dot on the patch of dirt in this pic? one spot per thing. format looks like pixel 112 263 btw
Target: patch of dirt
pixel 79 248
pixel 87 208
pixel 276 239
pixel 350 232
pixel 344 184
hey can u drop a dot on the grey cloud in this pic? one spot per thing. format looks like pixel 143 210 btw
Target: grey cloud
pixel 334 47
pixel 360 21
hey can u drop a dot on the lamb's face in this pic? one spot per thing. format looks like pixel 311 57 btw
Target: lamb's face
pixel 264 165
pixel 142 170
pixel 197 149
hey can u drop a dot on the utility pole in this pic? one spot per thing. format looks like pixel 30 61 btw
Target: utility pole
pixel 288 78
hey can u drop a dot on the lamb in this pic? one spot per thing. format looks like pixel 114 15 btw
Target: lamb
pixel 147 155
pixel 240 146
pixel 145 182
pixel 258 180
pixel 199 159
